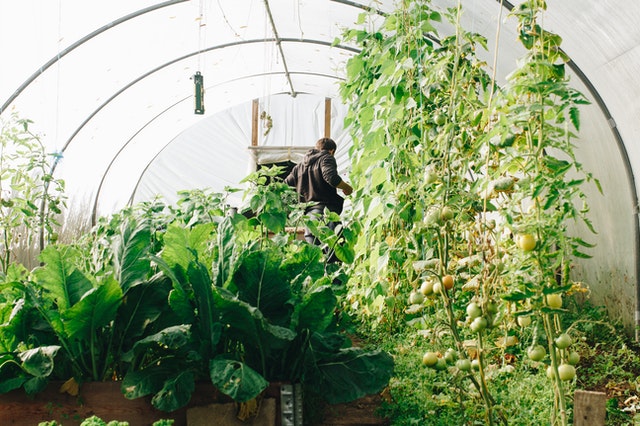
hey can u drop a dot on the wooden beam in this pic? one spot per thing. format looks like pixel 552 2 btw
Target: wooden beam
pixel 254 122
pixel 327 117
pixel 589 408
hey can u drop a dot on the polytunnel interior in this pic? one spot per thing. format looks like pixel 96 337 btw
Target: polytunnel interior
pixel 109 86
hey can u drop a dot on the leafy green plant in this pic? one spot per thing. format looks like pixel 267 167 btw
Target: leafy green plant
pixel 30 197
pixel 163 297
pixel 97 421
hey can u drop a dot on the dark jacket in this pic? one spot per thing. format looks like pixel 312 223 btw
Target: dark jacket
pixel 316 178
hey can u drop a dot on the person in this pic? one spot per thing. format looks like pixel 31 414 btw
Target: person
pixel 316 180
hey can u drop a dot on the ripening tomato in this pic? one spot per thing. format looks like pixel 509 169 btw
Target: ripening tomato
pixel 447 282
pixel 526 242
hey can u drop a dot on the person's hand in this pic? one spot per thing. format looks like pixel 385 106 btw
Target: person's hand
pixel 346 188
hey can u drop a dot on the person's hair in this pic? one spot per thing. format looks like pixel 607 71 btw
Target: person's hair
pixel 326 144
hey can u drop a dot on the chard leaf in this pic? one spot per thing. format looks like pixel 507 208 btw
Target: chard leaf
pixel 96 309
pixel 176 392
pixel 247 324
pixel 171 386
pixel 351 374
pixel 12 383
pixel 260 281
pixel 181 245
pixel 316 311
pixel 131 253
pixel 174 337
pixel 59 277
pixel 179 296
pixel 38 361
pixel 141 307
pixel 226 248
pixel 203 292
pixel 235 379
pixel 35 385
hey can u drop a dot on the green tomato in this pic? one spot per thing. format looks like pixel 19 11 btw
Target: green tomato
pixel 524 320
pixel 536 353
pixel 478 324
pixel 430 359
pixel 492 307
pixel 426 288
pixel 550 372
pixel 441 364
pixel 573 358
pixel 416 298
pixel 554 300
pixel 430 177
pixel 450 356
pixel 563 341
pixel 463 364
pixel 474 310
pixel 566 372
pixel 446 213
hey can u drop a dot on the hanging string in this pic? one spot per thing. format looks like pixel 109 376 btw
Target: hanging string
pixel 57 113
pixel 495 57
pixel 297 14
pixel 201 24
pixel 269 60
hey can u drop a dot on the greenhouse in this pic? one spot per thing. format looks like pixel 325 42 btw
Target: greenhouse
pixel 156 239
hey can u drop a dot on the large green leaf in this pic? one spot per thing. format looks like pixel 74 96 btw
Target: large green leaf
pixel 351 374
pixel 59 277
pixel 181 245
pixel 96 309
pixel 141 307
pixel 226 249
pixel 38 361
pixel 316 311
pixel 207 319
pixel 131 253
pixel 259 281
pixel 176 392
pixel 180 297
pixel 35 385
pixel 247 324
pixel 235 379
pixel 170 338
pixel 12 383
pixel 171 385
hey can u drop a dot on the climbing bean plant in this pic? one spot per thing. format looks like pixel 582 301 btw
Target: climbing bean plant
pixel 464 191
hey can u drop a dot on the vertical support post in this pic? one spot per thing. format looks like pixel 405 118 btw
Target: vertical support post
pixel 327 117
pixel 589 408
pixel 291 404
pixel 254 122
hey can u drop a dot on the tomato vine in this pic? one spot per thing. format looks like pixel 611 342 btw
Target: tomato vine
pixel 458 178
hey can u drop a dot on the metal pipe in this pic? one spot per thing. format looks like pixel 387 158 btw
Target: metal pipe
pixel 279 44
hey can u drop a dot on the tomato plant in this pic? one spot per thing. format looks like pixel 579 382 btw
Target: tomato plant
pixel 31 199
pixel 455 179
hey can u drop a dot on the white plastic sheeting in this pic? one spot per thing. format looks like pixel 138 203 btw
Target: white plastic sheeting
pixel 109 85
